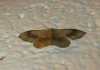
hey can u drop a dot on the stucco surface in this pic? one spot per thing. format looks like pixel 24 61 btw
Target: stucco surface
pixel 17 16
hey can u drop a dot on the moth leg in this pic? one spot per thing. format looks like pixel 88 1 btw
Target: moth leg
pixel 61 42
pixel 42 42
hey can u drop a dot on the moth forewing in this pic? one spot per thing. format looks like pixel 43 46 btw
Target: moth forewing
pixel 75 34
pixel 28 37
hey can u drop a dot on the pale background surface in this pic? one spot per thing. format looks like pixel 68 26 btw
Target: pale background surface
pixel 17 16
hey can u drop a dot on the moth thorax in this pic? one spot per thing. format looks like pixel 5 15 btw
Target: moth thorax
pixel 47 34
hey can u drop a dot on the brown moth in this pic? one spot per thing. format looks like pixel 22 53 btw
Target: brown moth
pixel 57 37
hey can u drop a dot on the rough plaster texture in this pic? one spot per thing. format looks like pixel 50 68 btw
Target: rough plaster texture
pixel 17 16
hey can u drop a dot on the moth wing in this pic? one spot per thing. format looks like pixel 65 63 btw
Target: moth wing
pixel 61 42
pixel 31 35
pixel 42 42
pixel 69 33
pixel 75 34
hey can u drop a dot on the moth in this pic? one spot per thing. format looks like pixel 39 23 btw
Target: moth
pixel 58 37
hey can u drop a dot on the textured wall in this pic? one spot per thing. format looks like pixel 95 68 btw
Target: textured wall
pixel 17 16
